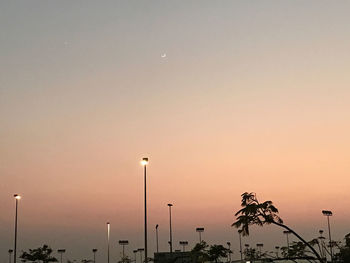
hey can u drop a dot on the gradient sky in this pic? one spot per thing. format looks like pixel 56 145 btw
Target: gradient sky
pixel 252 96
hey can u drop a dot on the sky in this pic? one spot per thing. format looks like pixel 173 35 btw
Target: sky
pixel 251 96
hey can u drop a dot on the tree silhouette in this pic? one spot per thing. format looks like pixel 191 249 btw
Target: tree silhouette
pixel 199 252
pixel 255 213
pixel 217 251
pixel 42 254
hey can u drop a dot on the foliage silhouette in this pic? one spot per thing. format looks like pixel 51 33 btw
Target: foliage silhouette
pixel 217 251
pixel 42 254
pixel 255 213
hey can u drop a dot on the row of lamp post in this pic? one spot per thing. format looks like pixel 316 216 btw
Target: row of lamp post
pixel 144 163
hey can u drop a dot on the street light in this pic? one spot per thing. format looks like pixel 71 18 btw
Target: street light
pixel 287 232
pixel 135 251
pixel 240 244
pixel 10 254
pixel 183 244
pixel 140 250
pixel 229 251
pixel 322 239
pixel 123 243
pixel 260 245
pixel 328 213
pixel 170 230
pixel 94 250
pixel 61 251
pixel 277 249
pixel 144 163
pixel 17 197
pixel 200 230
pixel 108 234
pixel 157 237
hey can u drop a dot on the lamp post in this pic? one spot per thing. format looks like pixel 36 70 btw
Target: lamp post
pixel 10 254
pixel 240 244
pixel 108 235
pixel 123 243
pixel 322 238
pixel 200 230
pixel 260 245
pixel 17 197
pixel 94 250
pixel 183 244
pixel 144 162
pixel 287 232
pixel 328 213
pixel 140 250
pixel 229 251
pixel 61 251
pixel 277 249
pixel 157 238
pixel 170 230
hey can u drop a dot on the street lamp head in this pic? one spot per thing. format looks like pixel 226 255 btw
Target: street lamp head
pixel 277 247
pixel 327 213
pixel 170 205
pixel 16 196
pixel 135 251
pixel 94 250
pixel 321 232
pixel 123 242
pixel 144 161
pixel 228 243
pixel 157 226
pixel 61 250
pixel 108 223
pixel 10 251
pixel 200 229
pixel 286 232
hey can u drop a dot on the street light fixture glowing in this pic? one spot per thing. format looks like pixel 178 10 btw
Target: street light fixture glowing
pixel 144 161
pixel 17 196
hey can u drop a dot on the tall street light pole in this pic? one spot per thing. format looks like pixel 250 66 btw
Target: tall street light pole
pixel 170 230
pixel 144 162
pixel 108 235
pixel 157 238
pixel 94 250
pixel 328 214
pixel 17 197
pixel 200 230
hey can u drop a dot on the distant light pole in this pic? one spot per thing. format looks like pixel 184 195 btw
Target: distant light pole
pixel 94 250
pixel 17 197
pixel 287 232
pixel 240 244
pixel 157 238
pixel 322 238
pixel 144 162
pixel 10 254
pixel 328 214
pixel 260 245
pixel 108 235
pixel 140 250
pixel 229 251
pixel 277 249
pixel 183 244
pixel 123 243
pixel 170 230
pixel 61 251
pixel 200 230
pixel 135 251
